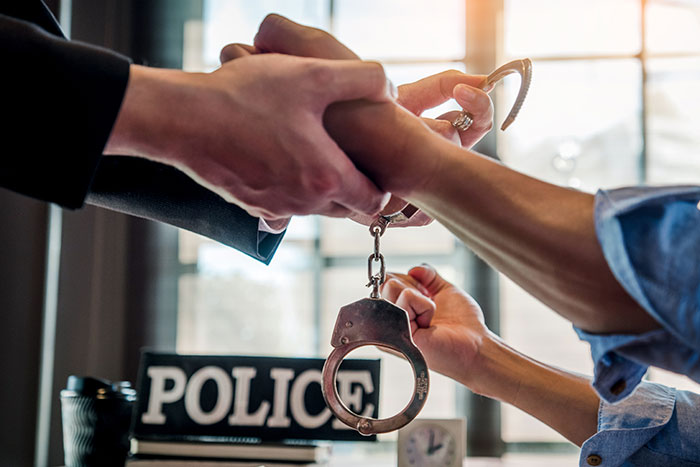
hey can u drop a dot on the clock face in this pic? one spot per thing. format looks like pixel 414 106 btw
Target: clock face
pixel 430 445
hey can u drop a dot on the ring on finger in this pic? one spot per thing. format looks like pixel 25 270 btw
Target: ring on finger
pixel 463 121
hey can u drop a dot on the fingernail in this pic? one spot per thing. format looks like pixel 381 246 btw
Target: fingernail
pixel 464 94
pixel 385 200
pixel 393 90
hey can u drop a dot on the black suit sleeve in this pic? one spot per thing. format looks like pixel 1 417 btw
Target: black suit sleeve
pixel 159 192
pixel 59 101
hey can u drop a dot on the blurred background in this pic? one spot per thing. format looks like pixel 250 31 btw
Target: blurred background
pixel 613 101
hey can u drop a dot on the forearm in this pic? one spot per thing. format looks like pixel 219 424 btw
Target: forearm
pixel 562 400
pixel 540 235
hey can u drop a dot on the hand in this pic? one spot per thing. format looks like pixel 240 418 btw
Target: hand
pixel 278 34
pixel 433 90
pixel 446 323
pixel 241 133
pixel 430 92
pixel 236 51
pixel 448 326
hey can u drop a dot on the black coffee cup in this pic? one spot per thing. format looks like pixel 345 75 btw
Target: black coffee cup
pixel 96 416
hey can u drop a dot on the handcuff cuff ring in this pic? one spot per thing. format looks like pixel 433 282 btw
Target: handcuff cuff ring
pixel 374 321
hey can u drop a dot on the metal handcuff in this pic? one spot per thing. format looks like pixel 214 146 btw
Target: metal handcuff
pixel 375 321
pixel 524 68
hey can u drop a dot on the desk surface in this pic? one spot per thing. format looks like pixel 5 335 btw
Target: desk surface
pixel 518 461
pixel 524 461
pixel 509 460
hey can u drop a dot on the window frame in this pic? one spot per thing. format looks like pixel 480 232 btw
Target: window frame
pixel 483 27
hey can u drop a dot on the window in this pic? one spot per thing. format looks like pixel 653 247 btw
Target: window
pixel 613 102
pixel 231 304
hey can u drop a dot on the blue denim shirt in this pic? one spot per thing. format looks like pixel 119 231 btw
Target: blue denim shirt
pixel 650 237
pixel 654 426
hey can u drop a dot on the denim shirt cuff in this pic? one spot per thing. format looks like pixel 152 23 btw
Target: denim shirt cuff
pixel 615 376
pixel 648 238
pixel 620 360
pixel 624 428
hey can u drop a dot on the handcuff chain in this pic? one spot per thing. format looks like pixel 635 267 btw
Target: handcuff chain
pixel 377 228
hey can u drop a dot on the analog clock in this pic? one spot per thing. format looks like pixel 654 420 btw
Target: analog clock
pixel 432 443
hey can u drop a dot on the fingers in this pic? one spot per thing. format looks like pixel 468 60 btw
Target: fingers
pixel 420 308
pixel 395 204
pixel 233 51
pixel 281 35
pixel 428 278
pixel 354 79
pixel 349 79
pixel 403 293
pixel 432 91
pixel 274 226
pixel 467 138
pixel 336 210
pixel 278 222
pixel 478 103
pixel 443 126
pixel 392 287
pixel 419 219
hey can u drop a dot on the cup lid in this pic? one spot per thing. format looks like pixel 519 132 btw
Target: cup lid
pixel 91 387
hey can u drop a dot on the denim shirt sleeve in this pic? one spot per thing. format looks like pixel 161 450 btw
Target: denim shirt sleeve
pixel 655 426
pixel 650 237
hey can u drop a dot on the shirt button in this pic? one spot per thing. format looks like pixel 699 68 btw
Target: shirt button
pixel 594 459
pixel 617 388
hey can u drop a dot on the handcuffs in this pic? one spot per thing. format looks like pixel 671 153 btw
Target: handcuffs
pixel 375 321
pixel 524 68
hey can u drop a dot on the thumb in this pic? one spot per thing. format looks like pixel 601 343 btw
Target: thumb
pixel 429 279
pixel 234 51
pixel 432 91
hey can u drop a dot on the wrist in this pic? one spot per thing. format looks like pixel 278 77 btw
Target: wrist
pixel 496 370
pixel 397 150
pixel 419 166
pixel 560 399
pixel 448 172
pixel 125 136
pixel 149 123
pixel 444 174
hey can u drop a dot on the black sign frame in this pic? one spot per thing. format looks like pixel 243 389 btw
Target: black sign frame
pixel 202 413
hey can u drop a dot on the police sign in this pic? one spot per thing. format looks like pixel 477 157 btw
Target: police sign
pixel 191 396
